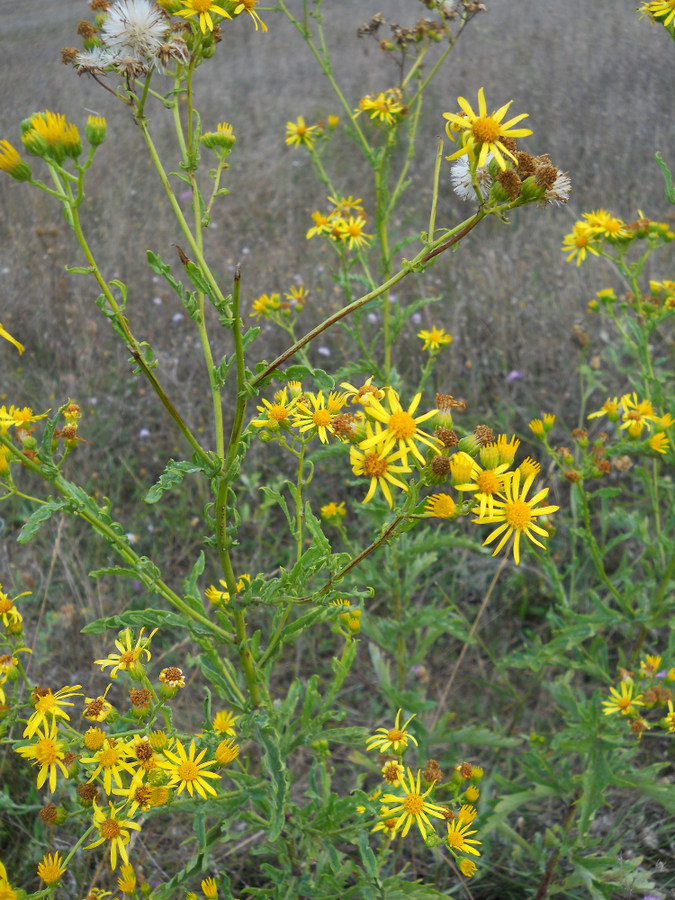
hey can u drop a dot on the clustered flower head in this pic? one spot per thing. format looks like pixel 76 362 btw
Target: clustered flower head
pixel 644 699
pixel 389 441
pixel 343 224
pixel 117 773
pixel 413 804
pixel 385 108
pixel 131 38
pixel 599 232
pixel 490 168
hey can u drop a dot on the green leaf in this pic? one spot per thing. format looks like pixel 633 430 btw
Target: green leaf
pixel 273 765
pixel 667 177
pixel 38 517
pixel 172 475
pixel 135 618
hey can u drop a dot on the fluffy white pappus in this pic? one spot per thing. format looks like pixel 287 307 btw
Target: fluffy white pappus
pixel 460 176
pixel 134 26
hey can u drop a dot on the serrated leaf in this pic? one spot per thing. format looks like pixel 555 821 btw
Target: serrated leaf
pixel 173 474
pixel 135 618
pixel 38 517
pixel 273 764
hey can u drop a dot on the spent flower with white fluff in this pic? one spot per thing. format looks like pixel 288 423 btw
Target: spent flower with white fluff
pixel 135 27
pixel 460 176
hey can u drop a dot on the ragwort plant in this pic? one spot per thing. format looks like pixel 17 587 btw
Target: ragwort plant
pixel 607 658
pixel 265 769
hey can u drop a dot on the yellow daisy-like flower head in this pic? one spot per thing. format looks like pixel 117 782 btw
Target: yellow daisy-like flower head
pixel 669 719
pixel 127 879
pixel 638 414
pixel 482 133
pixel 49 753
pixel 413 808
pixel 364 394
pixel 515 515
pixel 380 466
pixel 395 738
pixel 223 722
pixel 227 751
pixel 111 760
pixel 299 132
pixel 604 223
pixel 486 484
pixel 203 9
pixel 459 838
pixel 334 511
pixel 114 830
pixel 314 414
pixel 209 888
pixel 265 305
pixel 392 772
pixel 49 704
pixel 351 230
pixel 11 162
pixel 188 771
pixel 434 339
pixel 662 11
pixel 401 427
pixel 579 243
pixel 247 7
pixel 622 701
pixel 129 657
pixel 467 867
pixel 440 506
pixel 51 868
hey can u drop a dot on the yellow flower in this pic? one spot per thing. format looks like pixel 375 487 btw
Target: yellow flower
pixel 227 751
pixel 603 223
pixel 483 132
pixel 364 394
pixel 486 483
pixel 440 506
pixel 384 107
pixel 659 442
pixel 413 807
pixel 127 880
pixel 223 722
pixel 129 656
pixel 11 162
pixel 669 720
pixel 466 814
pixel 247 7
pixel 472 793
pixel 401 427
pixel 515 515
pixel 97 709
pixel 111 760
pixel 48 753
pixel 396 737
pixel 458 837
pixel 299 132
pixel 649 666
pixel 94 738
pixel 58 137
pixel 48 704
pixel 467 867
pixel 351 231
pixel 345 205
pixel 50 868
pixel 379 466
pixel 609 408
pixel 579 242
pixel 3 331
pixel 315 413
pixel 392 772
pixel 203 9
pixel 434 339
pixel 322 225
pixel 275 414
pixel 622 702
pixel 637 415
pixel 529 467
pixel 332 510
pixel 9 614
pixel 189 772
pixel 265 305
pixel 662 10
pixel 114 830
pixel 210 888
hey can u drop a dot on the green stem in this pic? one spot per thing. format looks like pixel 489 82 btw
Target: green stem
pixel 423 258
